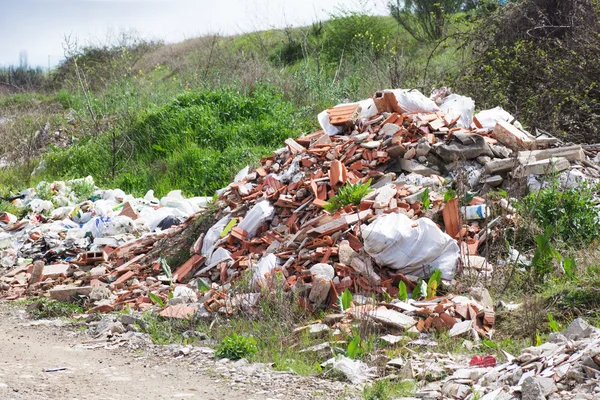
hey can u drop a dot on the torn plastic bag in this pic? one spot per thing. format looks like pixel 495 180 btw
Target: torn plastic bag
pixel 488 118
pixel 262 212
pixel 367 110
pixel 220 254
pixel 456 105
pixel 169 221
pixel 38 206
pixel 177 202
pixel 266 264
pixel 407 101
pixel 213 234
pixel 411 247
pixel 357 372
pixel 101 227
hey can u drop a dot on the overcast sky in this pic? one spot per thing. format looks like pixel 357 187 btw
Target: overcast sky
pixel 39 26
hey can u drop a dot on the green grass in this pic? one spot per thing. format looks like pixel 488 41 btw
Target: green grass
pixel 388 389
pixel 195 143
pixel 44 309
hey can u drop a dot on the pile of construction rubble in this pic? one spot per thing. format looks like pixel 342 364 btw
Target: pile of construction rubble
pixel 566 367
pixel 284 221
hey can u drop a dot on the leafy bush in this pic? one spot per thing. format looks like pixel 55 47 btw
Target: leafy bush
pixel 535 57
pixel 571 213
pixel 350 33
pixel 236 346
pixel 351 193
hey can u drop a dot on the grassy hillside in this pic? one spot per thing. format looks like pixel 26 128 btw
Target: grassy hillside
pixel 189 115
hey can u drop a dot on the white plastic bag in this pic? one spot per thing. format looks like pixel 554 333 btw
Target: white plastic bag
pixel 38 206
pixel 259 214
pixel 367 110
pixel 266 264
pixel 213 234
pixel 393 241
pixel 357 372
pixel 488 118
pixel 220 254
pixel 412 101
pixel 455 105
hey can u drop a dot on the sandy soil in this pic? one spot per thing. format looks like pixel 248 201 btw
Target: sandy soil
pixel 27 352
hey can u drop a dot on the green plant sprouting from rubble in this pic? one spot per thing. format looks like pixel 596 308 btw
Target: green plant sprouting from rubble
pixel 351 193
pixel 236 346
pixel 44 309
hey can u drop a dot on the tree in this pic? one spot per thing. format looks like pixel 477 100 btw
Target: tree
pixel 425 20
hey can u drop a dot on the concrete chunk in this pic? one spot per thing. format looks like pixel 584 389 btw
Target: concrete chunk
pixel 393 318
pixel 65 293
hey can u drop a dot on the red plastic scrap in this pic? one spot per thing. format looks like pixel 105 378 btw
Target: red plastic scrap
pixel 487 361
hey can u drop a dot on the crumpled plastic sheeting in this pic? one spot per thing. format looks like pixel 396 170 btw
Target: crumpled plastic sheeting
pixel 260 213
pixel 411 247
pixel 456 105
pixel 213 234
pixel 266 264
pixel 412 101
pixel 489 118
pixel 357 372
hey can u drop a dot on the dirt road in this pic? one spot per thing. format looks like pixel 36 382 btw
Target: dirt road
pixel 26 352
pixel 32 351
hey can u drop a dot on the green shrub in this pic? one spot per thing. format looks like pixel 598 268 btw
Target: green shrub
pixel 571 213
pixel 236 346
pixel 351 33
pixel 534 58
pixel 351 193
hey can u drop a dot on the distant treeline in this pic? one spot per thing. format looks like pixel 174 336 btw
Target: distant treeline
pixel 17 79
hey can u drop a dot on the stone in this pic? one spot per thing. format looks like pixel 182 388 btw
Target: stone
pixel 407 372
pixel 464 147
pixel 384 195
pixel 323 271
pixel 346 253
pixel 415 167
pixel 36 274
pixel 316 330
pixel 547 384
pixel 371 145
pixel 322 349
pixel 333 318
pixel 532 390
pixel 483 160
pixel 455 390
pixel 542 167
pixel 65 293
pixel 410 154
pixel 461 328
pixel 396 363
pixel 482 296
pixel 388 130
pixel 128 319
pixel 319 291
pixel 53 271
pixel 579 329
pixel 392 339
pixel 423 148
pixel 493 181
pixel 393 318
